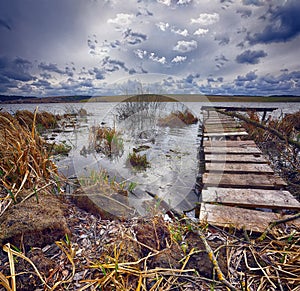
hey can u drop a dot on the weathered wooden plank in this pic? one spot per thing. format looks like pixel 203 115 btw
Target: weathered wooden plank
pixel 229 143
pixel 223 134
pixel 232 150
pixel 227 216
pixel 254 198
pixel 235 158
pixel 243 181
pixel 218 121
pixel 223 129
pixel 239 168
pixel 221 125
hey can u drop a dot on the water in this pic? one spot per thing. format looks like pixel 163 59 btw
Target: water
pixel 172 151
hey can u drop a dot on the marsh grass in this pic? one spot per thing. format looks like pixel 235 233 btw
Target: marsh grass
pixel 24 161
pixel 42 120
pixel 137 161
pixel 58 148
pixel 106 140
pixel 101 180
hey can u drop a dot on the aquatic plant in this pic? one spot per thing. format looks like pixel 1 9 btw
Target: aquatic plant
pixel 138 161
pixel 106 140
pixel 61 148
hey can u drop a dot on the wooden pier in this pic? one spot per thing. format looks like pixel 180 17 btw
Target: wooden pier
pixel 240 189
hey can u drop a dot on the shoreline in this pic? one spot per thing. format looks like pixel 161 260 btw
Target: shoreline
pixel 149 97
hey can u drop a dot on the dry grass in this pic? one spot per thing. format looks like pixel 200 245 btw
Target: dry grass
pixel 283 155
pixel 43 120
pixel 146 254
pixel 24 162
pixel 178 118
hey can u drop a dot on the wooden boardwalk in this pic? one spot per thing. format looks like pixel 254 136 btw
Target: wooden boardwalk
pixel 240 189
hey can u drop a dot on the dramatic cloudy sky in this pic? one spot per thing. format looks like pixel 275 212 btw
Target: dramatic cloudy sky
pixel 96 47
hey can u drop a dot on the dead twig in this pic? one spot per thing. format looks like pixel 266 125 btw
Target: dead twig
pixel 214 261
pixel 277 222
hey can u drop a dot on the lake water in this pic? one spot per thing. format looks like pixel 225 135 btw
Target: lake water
pixel 171 151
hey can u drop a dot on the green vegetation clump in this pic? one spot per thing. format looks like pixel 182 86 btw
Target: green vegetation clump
pixel 58 149
pixel 138 161
pixel 106 140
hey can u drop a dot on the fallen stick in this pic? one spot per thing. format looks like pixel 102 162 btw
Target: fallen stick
pixel 257 124
pixel 277 222
pixel 214 261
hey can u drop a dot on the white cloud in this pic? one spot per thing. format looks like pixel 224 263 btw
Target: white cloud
pixel 140 53
pixel 182 32
pixel 163 25
pixel 157 59
pixel 182 2
pixel 201 31
pixel 165 2
pixel 179 59
pixel 121 20
pixel 185 46
pixel 206 19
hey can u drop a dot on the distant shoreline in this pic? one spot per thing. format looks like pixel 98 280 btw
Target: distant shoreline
pixel 154 97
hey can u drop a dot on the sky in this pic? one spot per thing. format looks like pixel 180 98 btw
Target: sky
pixel 111 47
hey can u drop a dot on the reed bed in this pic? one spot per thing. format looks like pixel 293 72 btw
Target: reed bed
pixel 24 161
pixel 43 120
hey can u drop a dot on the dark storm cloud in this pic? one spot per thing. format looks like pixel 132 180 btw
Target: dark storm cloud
pixel 41 83
pixel 144 12
pixel 248 77
pixel 221 61
pixel 134 37
pixel 5 24
pixel 46 76
pixel 250 57
pixel 284 24
pixel 51 68
pixel 253 2
pixel 16 69
pixel 111 65
pixel 115 44
pixel 269 84
pixel 98 73
pixel 191 78
pixel 91 44
pixel 222 39
pixel 214 80
pixel 245 13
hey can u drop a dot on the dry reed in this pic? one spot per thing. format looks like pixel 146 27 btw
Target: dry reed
pixel 24 161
